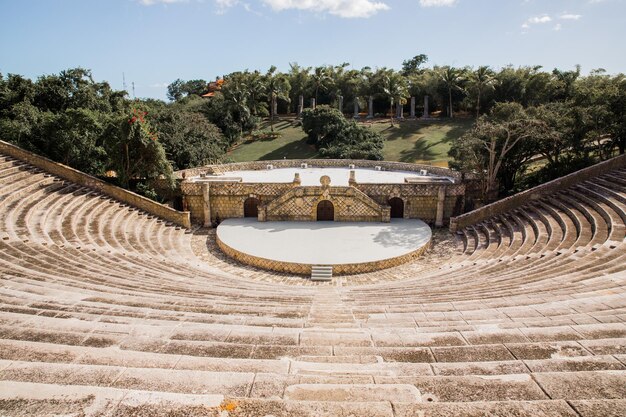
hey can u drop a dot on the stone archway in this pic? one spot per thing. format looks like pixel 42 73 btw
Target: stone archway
pixel 397 208
pixel 325 211
pixel 251 207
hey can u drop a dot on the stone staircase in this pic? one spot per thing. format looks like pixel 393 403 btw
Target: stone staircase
pixel 106 311
pixel 321 273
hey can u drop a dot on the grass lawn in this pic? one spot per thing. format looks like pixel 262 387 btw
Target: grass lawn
pixel 410 141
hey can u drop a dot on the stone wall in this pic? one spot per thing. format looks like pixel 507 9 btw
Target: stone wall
pixel 519 199
pixel 80 178
pixel 300 204
pixel 296 163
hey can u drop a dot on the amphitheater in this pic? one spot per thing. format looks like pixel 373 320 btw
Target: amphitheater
pixel 112 307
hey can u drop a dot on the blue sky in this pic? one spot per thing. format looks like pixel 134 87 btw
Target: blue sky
pixel 153 42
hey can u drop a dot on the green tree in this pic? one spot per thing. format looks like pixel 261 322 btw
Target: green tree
pixel 480 81
pixel 452 79
pixel 322 124
pixel 134 151
pixel 188 138
pixel 355 142
pixel 412 66
pixel 277 87
pixel 395 88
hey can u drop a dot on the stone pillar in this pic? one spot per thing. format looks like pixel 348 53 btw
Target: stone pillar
pixel 296 180
pixel 412 107
pixel 313 103
pixel 370 108
pixel 356 108
pixel 300 105
pixel 441 198
pixel 341 104
pixel 426 112
pixel 400 110
pixel 206 207
pixel 352 179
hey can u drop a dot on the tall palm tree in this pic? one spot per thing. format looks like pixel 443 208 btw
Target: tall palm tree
pixel 277 87
pixel 481 80
pixel 452 78
pixel 299 80
pixel 395 88
pixel 320 79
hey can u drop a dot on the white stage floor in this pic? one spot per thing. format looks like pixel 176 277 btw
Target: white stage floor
pixel 324 243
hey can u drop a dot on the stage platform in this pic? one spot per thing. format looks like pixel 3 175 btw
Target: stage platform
pixel 350 247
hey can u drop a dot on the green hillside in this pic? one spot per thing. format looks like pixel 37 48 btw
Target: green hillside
pixel 408 141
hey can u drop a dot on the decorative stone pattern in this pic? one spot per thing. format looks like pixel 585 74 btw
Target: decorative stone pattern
pixel 300 204
pixel 359 202
pixel 305 269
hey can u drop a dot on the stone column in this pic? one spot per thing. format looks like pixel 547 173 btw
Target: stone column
pixel 370 108
pixel 441 198
pixel 313 103
pixel 206 207
pixel 412 107
pixel 274 108
pixel 400 110
pixel 300 105
pixel 426 112
pixel 356 108
pixel 341 104
pixel 352 179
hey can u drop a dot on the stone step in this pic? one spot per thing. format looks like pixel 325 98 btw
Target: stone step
pixel 321 273
pixel 353 392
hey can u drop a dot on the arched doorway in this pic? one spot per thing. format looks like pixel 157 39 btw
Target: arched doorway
pixel 397 207
pixel 251 207
pixel 325 211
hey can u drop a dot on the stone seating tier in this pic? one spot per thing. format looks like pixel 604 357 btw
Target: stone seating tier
pixel 108 310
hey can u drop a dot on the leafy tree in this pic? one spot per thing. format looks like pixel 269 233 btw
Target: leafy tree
pixel 175 90
pixel 452 79
pixel 320 79
pixel 277 87
pixel 188 138
pixel 355 142
pixel 412 66
pixel 322 124
pixel 395 89
pixel 480 81
pixel 134 151
pixel 499 147
pixel 299 81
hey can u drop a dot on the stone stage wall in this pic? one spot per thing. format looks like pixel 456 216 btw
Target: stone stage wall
pixel 434 203
pixel 305 269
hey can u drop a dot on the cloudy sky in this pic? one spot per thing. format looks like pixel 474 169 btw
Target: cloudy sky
pixel 153 42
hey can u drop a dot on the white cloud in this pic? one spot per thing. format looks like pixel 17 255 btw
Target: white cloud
pixel 557 27
pixel 437 3
pixel 341 8
pixel 570 16
pixel 151 2
pixel 539 19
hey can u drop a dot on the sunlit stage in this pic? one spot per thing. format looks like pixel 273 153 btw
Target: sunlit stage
pixel 350 247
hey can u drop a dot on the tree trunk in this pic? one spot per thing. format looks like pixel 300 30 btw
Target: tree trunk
pixel 450 102
pixel 391 111
pixel 478 106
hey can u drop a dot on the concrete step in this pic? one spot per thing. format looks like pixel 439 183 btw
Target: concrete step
pixel 321 273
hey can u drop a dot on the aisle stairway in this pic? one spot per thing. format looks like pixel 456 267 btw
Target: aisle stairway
pixel 106 311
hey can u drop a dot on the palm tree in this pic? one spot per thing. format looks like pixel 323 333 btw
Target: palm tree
pixel 277 87
pixel 481 80
pixel 452 78
pixel 320 79
pixel 395 88
pixel 299 80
